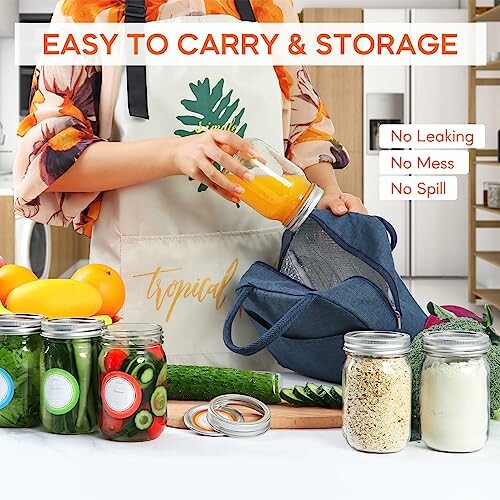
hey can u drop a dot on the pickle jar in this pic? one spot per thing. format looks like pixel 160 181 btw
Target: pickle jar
pixel 133 382
pixel 377 391
pixel 20 347
pixel 455 391
pixel 69 375
pixel 279 191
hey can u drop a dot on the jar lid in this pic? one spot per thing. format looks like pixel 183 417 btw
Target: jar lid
pixel 196 419
pixel 72 328
pixel 20 324
pixel 132 331
pixel 451 343
pixel 238 429
pixel 306 209
pixel 376 344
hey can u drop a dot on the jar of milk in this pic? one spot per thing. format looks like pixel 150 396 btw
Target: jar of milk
pixel 454 395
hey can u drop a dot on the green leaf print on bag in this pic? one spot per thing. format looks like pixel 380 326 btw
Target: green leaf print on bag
pixel 211 110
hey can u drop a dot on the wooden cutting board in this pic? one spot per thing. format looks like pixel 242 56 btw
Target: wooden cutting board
pixel 282 416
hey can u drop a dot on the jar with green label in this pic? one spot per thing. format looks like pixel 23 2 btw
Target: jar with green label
pixel 69 375
pixel 133 369
pixel 20 347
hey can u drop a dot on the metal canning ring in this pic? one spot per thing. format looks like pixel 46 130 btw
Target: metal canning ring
pixel 238 429
pixel 196 419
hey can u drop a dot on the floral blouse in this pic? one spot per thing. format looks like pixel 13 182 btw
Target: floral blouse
pixel 69 112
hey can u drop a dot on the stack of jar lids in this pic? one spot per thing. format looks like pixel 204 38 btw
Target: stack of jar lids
pixel 218 418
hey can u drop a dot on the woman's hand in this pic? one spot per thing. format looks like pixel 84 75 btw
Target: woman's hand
pixel 341 203
pixel 194 156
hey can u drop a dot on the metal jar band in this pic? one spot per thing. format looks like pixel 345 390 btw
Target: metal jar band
pixel 238 429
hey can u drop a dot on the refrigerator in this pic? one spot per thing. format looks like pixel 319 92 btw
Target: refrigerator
pixel 432 234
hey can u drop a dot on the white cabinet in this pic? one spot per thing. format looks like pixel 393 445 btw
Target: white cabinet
pixel 36 6
pixel 432 235
pixel 381 85
pixel 439 228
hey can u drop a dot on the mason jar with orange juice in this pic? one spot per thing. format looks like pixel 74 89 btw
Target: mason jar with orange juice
pixel 280 190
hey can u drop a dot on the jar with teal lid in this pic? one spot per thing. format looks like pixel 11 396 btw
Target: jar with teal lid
pixel 20 347
pixel 69 375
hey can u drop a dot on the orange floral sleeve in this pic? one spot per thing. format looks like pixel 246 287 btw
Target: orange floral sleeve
pixel 62 123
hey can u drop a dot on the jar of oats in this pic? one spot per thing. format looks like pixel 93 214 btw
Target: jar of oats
pixel 377 391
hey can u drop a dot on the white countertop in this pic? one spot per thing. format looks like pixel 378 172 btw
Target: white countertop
pixel 280 464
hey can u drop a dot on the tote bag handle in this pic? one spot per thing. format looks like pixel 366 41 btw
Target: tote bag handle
pixel 275 332
pixel 393 236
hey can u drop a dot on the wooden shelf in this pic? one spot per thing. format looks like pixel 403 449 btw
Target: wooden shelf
pixel 495 211
pixel 491 66
pixel 490 16
pixel 491 257
pixel 492 296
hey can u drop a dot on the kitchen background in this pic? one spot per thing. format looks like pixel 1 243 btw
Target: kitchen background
pixel 437 250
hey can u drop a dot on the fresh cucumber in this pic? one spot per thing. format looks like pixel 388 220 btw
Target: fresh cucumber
pixel 313 391
pixel 203 383
pixel 288 396
pixel 159 401
pixel 300 393
pixel 143 420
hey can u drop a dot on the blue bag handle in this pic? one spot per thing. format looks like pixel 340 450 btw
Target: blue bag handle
pixel 276 331
pixel 390 229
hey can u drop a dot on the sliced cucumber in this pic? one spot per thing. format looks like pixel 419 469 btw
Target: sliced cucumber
pixel 144 374
pixel 300 393
pixel 159 401
pixel 337 394
pixel 162 377
pixel 132 362
pixel 288 396
pixel 325 393
pixel 313 391
pixel 143 420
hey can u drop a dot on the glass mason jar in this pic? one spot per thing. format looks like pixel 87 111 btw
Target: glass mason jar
pixel 133 382
pixel 454 391
pixel 20 347
pixel 280 190
pixel 377 391
pixel 69 375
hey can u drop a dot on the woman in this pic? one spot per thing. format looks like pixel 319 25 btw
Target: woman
pixel 129 160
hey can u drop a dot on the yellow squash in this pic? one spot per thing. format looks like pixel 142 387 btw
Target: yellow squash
pixel 55 298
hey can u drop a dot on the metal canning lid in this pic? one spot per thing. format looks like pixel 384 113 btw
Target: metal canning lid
pixel 238 429
pixel 456 343
pixel 72 328
pixel 133 331
pixel 20 324
pixel 376 344
pixel 196 419
pixel 306 209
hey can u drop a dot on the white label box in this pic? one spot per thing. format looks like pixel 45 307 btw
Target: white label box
pixel 421 188
pixel 424 162
pixel 435 136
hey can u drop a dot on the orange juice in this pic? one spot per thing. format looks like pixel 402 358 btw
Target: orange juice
pixel 274 197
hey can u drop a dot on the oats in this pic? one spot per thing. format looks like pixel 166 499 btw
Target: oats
pixel 377 403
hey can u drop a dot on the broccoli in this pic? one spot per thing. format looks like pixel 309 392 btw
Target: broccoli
pixel 416 358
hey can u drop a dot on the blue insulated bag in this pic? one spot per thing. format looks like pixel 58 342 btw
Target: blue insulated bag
pixel 336 275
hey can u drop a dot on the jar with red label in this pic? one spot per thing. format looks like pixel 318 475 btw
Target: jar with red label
pixel 133 382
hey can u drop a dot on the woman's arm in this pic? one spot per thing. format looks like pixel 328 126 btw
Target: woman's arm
pixel 105 166
pixel 338 202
